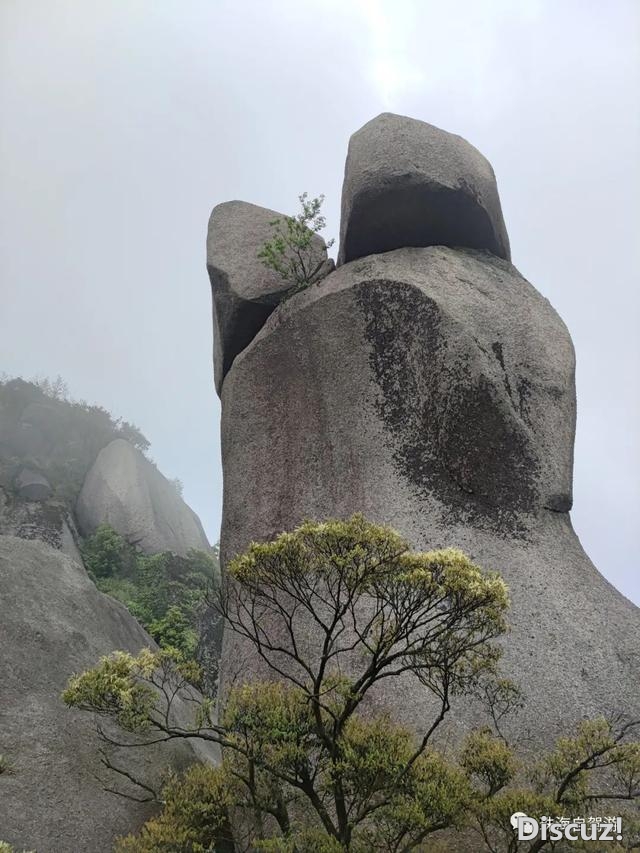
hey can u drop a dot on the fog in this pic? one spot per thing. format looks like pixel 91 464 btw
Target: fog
pixel 124 123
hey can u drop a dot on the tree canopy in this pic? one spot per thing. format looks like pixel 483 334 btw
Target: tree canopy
pixel 309 763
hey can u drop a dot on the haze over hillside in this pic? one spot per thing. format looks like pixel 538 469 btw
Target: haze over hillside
pixel 154 114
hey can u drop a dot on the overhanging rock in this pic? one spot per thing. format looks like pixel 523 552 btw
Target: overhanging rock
pixel 408 183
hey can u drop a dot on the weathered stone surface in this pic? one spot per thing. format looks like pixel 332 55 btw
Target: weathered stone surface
pixel 244 291
pixel 433 389
pixel 49 520
pixel 408 183
pixel 32 486
pixel 54 623
pixel 125 490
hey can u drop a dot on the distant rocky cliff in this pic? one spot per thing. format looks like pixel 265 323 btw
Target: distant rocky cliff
pixel 66 464
pixel 428 385
pixel 65 469
pixel 124 490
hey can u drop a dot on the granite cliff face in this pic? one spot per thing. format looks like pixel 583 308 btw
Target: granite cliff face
pixel 54 623
pixel 125 490
pixel 428 385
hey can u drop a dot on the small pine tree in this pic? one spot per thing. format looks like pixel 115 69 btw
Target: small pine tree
pixel 293 252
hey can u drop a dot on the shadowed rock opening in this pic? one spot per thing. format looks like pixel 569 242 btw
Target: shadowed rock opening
pixel 241 321
pixel 416 215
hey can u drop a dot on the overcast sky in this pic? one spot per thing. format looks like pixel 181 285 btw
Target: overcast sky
pixel 125 121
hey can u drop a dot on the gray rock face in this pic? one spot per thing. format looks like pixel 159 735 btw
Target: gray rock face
pixel 125 490
pixel 408 183
pixel 244 291
pixel 32 486
pixel 54 623
pixel 49 521
pixel 433 389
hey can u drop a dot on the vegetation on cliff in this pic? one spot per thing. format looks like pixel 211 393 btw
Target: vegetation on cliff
pixel 165 592
pixel 292 252
pixel 42 428
pixel 310 762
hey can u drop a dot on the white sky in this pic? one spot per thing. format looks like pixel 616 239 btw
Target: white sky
pixel 125 121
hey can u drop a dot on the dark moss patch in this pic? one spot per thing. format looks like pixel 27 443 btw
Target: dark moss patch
pixel 452 435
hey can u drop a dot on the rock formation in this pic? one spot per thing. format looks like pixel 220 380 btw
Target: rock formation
pixel 46 520
pixel 125 490
pixel 50 446
pixel 54 623
pixel 408 183
pixel 244 291
pixel 432 388
pixel 32 486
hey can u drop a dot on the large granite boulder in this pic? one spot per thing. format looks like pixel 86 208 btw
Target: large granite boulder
pixel 125 490
pixel 55 623
pixel 433 389
pixel 408 183
pixel 244 291
pixel 32 486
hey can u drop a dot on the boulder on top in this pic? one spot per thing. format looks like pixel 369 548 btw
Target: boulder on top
pixel 244 291
pixel 128 492
pixel 408 183
pixel 32 486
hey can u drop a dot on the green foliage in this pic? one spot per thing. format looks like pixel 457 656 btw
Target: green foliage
pixel 194 816
pixel 5 847
pixel 113 689
pixel 434 614
pixel 304 768
pixel 489 760
pixel 165 592
pixel 106 554
pixel 292 251
pixel 175 630
pixel 122 685
pixel 578 760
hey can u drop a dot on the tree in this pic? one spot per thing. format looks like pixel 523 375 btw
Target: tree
pixel 56 388
pixel 304 767
pixel 194 815
pixel 175 630
pixel 134 436
pixel 293 252
pixel 105 553
pixel 166 592
pixel 178 485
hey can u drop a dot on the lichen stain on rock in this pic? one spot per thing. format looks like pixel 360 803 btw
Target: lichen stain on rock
pixel 454 434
